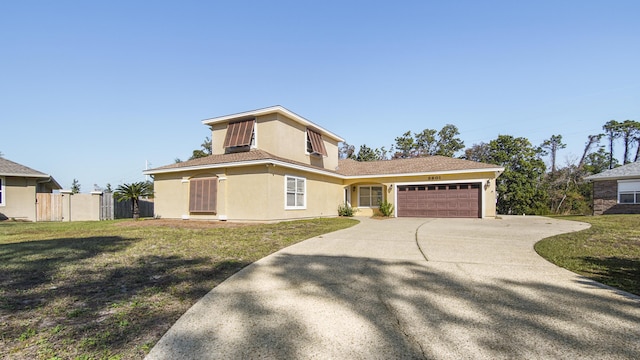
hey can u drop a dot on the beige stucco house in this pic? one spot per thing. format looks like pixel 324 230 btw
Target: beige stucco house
pixel 272 164
pixel 18 188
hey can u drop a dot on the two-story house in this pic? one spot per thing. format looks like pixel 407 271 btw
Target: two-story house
pixel 272 164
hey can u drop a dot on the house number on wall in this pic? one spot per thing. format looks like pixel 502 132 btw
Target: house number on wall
pixel 433 178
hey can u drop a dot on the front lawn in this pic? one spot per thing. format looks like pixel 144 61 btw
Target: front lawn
pixel 608 252
pixel 111 289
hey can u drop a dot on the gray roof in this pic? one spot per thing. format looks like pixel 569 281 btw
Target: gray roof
pixel 10 168
pixel 629 171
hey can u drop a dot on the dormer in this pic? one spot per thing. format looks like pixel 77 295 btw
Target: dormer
pixel 278 131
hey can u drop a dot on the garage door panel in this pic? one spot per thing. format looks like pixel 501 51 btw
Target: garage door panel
pixel 444 200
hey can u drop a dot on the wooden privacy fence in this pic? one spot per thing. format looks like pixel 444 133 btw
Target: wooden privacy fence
pixel 65 206
pixel 48 207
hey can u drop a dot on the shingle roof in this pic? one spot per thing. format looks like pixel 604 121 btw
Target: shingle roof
pixel 10 168
pixel 232 158
pixel 349 167
pixel 631 170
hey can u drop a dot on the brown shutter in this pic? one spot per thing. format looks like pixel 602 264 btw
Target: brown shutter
pixel 239 133
pixel 317 145
pixel 203 195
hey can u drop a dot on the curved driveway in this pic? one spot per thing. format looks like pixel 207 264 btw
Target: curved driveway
pixel 368 292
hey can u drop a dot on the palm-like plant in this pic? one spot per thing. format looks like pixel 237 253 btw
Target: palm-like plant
pixel 133 192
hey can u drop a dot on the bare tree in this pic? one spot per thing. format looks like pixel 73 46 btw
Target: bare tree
pixel 346 151
pixel 593 140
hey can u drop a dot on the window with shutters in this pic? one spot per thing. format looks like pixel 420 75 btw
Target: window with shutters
pixel 240 136
pixel 203 195
pixel 315 145
pixel 295 192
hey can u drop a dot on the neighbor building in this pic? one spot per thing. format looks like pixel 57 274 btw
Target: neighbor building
pixel 272 164
pixel 18 188
pixel 617 191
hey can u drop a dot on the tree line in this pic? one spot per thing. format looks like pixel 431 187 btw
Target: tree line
pixel 526 186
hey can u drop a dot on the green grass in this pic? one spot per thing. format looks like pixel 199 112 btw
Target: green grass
pixel 110 290
pixel 608 252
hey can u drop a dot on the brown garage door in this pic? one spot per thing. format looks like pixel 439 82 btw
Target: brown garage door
pixel 442 200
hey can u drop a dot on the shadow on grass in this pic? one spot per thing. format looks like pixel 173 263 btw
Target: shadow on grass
pixel 47 285
pixel 298 306
pixel 620 272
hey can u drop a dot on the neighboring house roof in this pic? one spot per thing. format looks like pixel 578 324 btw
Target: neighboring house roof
pixel 347 168
pixel 412 166
pixel 272 110
pixel 631 170
pixel 10 168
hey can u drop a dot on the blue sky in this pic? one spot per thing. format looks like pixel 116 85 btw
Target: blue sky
pixel 94 90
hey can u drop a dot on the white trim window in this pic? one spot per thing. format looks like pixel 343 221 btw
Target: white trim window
pixel 629 192
pixel 369 196
pixel 2 192
pixel 295 190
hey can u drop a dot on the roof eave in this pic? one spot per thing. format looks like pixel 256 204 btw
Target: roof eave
pixel 497 170
pixel 624 177
pixel 270 110
pixel 55 184
pixel 38 176
pixel 241 163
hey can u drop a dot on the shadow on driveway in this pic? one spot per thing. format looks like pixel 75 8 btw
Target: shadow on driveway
pixel 300 306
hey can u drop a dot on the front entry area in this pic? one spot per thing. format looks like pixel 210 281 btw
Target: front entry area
pixel 460 200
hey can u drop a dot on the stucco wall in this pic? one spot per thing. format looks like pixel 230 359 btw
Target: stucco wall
pixel 254 193
pixel 218 133
pixel 282 137
pixel 605 199
pixel 82 207
pixel 19 198
pixel 324 194
pixel 286 138
pixel 171 195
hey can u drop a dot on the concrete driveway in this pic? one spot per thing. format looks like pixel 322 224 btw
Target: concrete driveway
pixel 411 288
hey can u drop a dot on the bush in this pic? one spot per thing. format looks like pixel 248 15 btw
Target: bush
pixel 346 210
pixel 386 208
